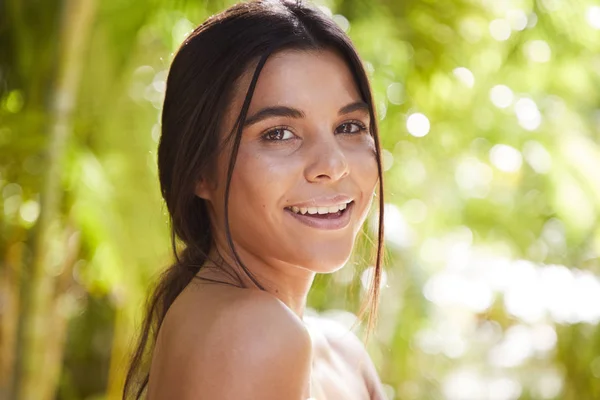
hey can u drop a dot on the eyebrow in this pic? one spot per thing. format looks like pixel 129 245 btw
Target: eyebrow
pixel 284 111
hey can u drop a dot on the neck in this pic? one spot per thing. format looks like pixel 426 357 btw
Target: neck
pixel 289 283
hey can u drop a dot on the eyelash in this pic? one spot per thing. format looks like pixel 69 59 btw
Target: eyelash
pixel 361 128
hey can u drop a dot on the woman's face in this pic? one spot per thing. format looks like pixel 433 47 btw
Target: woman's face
pixel 306 169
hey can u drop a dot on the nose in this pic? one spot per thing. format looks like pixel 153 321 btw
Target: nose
pixel 326 161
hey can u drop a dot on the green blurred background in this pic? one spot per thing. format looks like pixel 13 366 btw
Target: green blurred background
pixel 490 121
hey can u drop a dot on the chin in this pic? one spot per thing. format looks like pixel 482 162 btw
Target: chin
pixel 324 262
pixel 326 268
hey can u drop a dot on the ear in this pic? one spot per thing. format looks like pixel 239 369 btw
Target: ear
pixel 202 189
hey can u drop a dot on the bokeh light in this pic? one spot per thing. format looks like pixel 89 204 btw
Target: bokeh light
pixel 417 125
pixel 501 96
pixel 500 29
pixel 592 16
pixel 537 51
pixel 528 114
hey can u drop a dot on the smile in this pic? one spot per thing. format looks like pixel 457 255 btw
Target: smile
pixel 320 209
pixel 321 217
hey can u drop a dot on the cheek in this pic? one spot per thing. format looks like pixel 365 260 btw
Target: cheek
pixel 366 176
pixel 260 182
pixel 258 177
pixel 248 183
pixel 259 188
pixel 364 168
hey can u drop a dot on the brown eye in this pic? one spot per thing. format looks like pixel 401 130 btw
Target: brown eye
pixel 278 134
pixel 351 127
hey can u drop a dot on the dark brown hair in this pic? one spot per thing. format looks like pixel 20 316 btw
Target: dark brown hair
pixel 200 85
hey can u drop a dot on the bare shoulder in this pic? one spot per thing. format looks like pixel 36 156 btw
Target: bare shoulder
pixel 247 345
pixel 340 338
pixel 351 348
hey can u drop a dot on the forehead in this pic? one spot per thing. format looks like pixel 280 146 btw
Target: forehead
pixel 314 81
pixel 311 78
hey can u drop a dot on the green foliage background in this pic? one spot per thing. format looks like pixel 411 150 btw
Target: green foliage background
pixel 492 284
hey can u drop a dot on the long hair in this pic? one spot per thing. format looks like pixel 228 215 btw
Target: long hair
pixel 200 85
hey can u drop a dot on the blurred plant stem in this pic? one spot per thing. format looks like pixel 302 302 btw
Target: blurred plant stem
pixel 39 368
pixel 10 279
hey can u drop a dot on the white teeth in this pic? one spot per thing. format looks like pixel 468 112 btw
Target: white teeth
pixel 319 210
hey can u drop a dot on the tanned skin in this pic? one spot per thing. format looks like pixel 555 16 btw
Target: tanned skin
pixel 221 341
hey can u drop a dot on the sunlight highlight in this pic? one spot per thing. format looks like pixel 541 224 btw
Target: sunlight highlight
pixel 417 125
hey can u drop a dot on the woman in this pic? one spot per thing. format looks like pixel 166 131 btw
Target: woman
pixel 268 162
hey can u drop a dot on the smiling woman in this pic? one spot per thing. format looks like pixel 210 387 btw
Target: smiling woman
pixel 268 161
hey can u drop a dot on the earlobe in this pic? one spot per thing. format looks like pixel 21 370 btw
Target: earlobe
pixel 201 189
